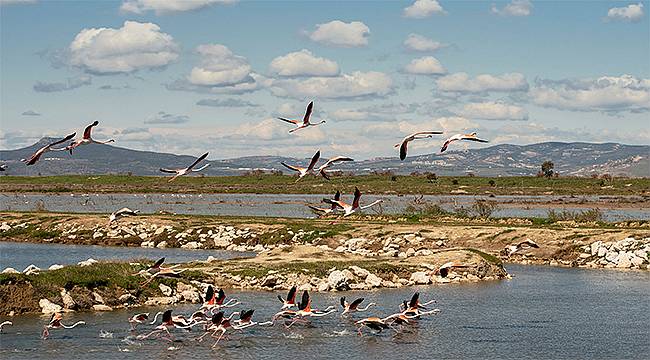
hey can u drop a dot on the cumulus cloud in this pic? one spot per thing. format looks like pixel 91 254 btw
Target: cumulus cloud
pixel 608 94
pixel 427 65
pixel 16 2
pixel 226 103
pixel 491 110
pixel 514 8
pixel 70 84
pixel 303 63
pixel 630 13
pixel 462 83
pixel 339 33
pixel 134 46
pixel 417 42
pixel 31 113
pixel 346 86
pixel 423 8
pixel 164 118
pixel 168 6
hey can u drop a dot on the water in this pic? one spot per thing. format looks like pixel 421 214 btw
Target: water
pixel 294 205
pixel 21 255
pixel 543 313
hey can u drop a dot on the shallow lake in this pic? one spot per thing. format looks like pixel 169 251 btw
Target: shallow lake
pixel 542 313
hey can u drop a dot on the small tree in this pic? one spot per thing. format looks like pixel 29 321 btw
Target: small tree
pixel 547 168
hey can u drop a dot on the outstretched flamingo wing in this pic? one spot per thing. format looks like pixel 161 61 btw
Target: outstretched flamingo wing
pixel 291 296
pixel 169 171
pixel 357 196
pixel 402 150
pixel 198 161
pixel 295 122
pixel 314 160
pixel 89 129
pixel 157 264
pixel 291 167
pixel 310 107
pixel 67 138
pixel 356 303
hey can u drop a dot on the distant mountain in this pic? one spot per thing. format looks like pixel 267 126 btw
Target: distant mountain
pixel 581 159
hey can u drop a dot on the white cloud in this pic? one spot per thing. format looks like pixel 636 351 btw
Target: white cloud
pixel 70 84
pixel 133 47
pixel 168 6
pixel 514 8
pixel 606 94
pixel 630 13
pixel 346 86
pixel 339 33
pixel 423 8
pixel 491 110
pixel 31 113
pixel 303 63
pixel 417 42
pixel 164 118
pixel 229 103
pixel 461 82
pixel 427 65
pixel 16 2
pixel 219 67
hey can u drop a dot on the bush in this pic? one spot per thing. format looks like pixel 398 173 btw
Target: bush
pixel 419 206
pixel 454 181
pixel 484 208
pixel 431 177
pixel 579 216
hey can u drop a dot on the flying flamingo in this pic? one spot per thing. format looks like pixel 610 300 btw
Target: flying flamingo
pixel 3 167
pixel 457 137
pixel 189 169
pixel 330 162
pixel 217 300
pixel 302 172
pixel 351 209
pixel 290 301
pixel 246 320
pixel 326 211
pixel 353 306
pixel 372 323
pixel 411 309
pixel 305 120
pixel 55 323
pixel 526 244
pixel 37 155
pixel 5 323
pixel 305 310
pixel 87 138
pixel 168 322
pixel 403 145
pixel 138 319
pixel 157 270
pixel 220 323
pixel 122 213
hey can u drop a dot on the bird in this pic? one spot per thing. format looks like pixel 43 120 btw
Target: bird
pixel 373 323
pixel 3 167
pixel 217 300
pixel 219 323
pixel 411 309
pixel 137 319
pixel 55 323
pixel 290 301
pixel 330 162
pixel 326 211
pixel 305 120
pixel 305 310
pixel 351 209
pixel 403 145
pixel 157 270
pixel 189 169
pixel 526 244
pixel 86 139
pixel 302 172
pixel 168 322
pixel 37 155
pixel 5 323
pixel 246 320
pixel 122 213
pixel 469 137
pixel 353 306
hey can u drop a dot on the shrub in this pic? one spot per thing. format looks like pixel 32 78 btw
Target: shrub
pixel 580 216
pixel 484 208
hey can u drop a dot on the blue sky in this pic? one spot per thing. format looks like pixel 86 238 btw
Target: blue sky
pixel 190 76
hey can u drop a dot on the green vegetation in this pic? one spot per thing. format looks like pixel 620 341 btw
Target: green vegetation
pixel 375 184
pixel 591 215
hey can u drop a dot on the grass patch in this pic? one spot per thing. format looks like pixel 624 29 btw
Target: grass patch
pixel 487 257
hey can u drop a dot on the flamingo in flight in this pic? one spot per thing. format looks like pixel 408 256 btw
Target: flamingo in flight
pixel 86 139
pixel 305 120
pixel 351 209
pixel 290 301
pixel 168 322
pixel 122 213
pixel 353 306
pixel 37 155
pixel 187 170
pixel 220 323
pixel 524 245
pixel 5 323
pixel 157 270
pixel 217 300
pixel 326 211
pixel 302 172
pixel 411 309
pixel 457 137
pixel 55 323
pixel 3 167
pixel 305 310
pixel 330 162
pixel 246 320
pixel 403 145
pixel 138 319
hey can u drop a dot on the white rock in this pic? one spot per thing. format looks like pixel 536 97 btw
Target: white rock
pixel 360 272
pixel 623 260
pixel 166 290
pixel 143 235
pixel 161 300
pixel 410 252
pixel 595 247
pixel 337 280
pixel 420 278
pixel 102 307
pixel 68 301
pixel 97 234
pixel 31 270
pixel 162 245
pixel 88 262
pixel 5 227
pixel 192 245
pixel 10 270
pixel 612 256
pixel 373 280
pixel 48 307
pixel 159 231
pixel 323 286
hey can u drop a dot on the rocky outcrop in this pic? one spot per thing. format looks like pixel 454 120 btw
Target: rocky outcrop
pixel 628 253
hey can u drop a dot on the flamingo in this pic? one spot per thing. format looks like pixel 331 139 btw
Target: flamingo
pixel 372 323
pixel 5 323
pixel 457 137
pixel 122 213
pixel 330 162
pixel 353 306
pixel 302 172
pixel 351 209
pixel 290 300
pixel 86 139
pixel 168 322
pixel 305 120
pixel 217 300
pixel 246 320
pixel 326 211
pixel 55 323
pixel 157 270
pixel 219 324
pixel 37 155
pixel 526 244
pixel 3 167
pixel 305 310
pixel 403 145
pixel 137 319
pixel 187 170
pixel 411 309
